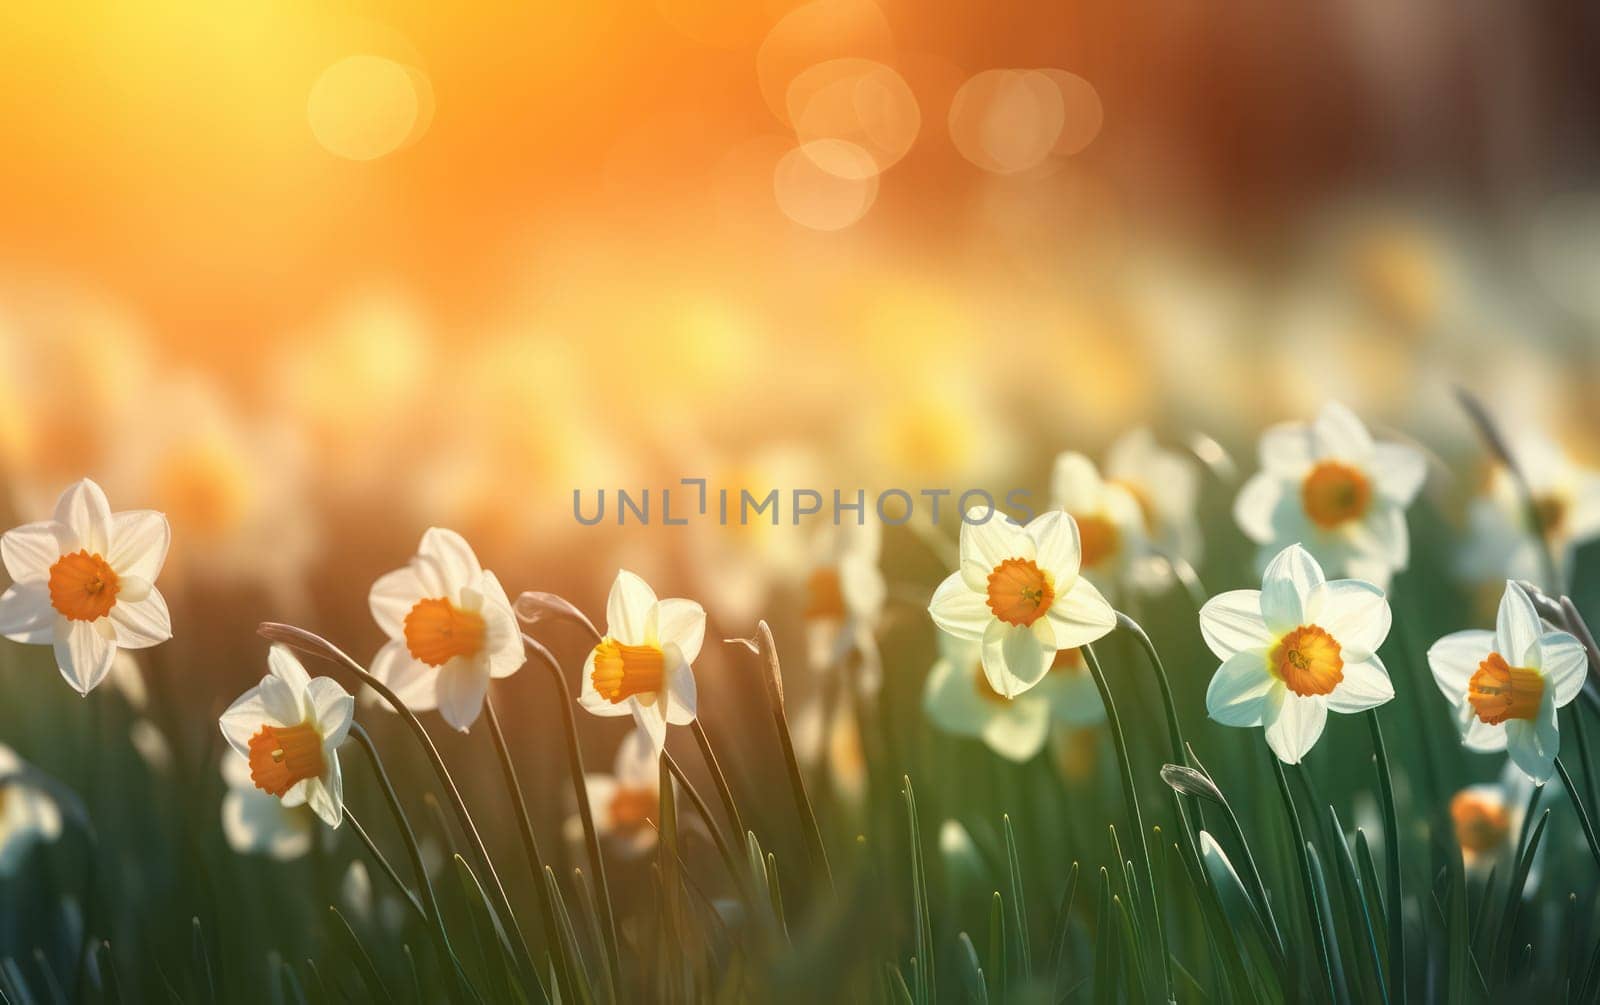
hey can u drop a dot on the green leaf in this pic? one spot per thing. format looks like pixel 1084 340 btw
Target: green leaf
pixel 1018 908
pixel 350 944
pixel 1058 942
pixel 971 972
pixel 1356 906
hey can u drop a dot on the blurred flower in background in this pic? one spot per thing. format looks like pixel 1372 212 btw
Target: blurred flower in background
pixel 27 814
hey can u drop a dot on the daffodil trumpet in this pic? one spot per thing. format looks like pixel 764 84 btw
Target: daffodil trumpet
pixel 315 645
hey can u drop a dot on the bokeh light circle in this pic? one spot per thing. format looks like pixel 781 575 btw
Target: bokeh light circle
pixel 863 102
pixel 1082 113
pixel 365 106
pixel 1007 121
pixel 815 197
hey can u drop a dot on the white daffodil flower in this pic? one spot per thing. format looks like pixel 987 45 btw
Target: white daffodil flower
pixel 1501 544
pixel 1293 650
pixel 1166 485
pixel 1018 591
pixel 256 823
pixel 450 628
pixel 1111 525
pixel 84 582
pixel 643 665
pixel 628 800
pixel 959 699
pixel 844 599
pixel 1074 696
pixel 27 814
pixel 288 729
pixel 1506 685
pixel 1327 486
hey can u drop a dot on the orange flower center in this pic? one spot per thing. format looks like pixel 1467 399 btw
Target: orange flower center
pixel 1499 691
pixel 1308 661
pixel 438 631
pixel 824 596
pixel 1099 539
pixel 621 671
pixel 82 586
pixel 1480 824
pixel 1335 493
pixel 630 808
pixel 1020 592
pixel 280 756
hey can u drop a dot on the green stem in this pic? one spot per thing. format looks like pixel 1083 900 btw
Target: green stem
pixel 1307 878
pixel 1583 814
pixel 530 844
pixel 580 789
pixel 1130 795
pixel 385 867
pixel 719 778
pixel 808 817
pixel 1391 865
pixel 704 809
pixel 447 956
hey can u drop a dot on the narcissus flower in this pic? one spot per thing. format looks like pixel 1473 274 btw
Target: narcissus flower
pixel 1111 525
pixel 1018 592
pixel 288 729
pixel 959 699
pixel 627 803
pixel 1506 685
pixel 1484 823
pixel 84 582
pixel 1074 697
pixel 257 823
pixel 1328 486
pixel 28 815
pixel 1166 485
pixel 1293 650
pixel 450 628
pixel 844 599
pixel 642 667
pixel 1502 545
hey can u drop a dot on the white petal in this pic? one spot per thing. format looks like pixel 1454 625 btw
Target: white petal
pixel 1366 684
pixel 986 544
pixel 1057 549
pixel 393 596
pixel 1258 501
pixel 1399 470
pixel 1238 691
pixel 286 666
pixel 1479 735
pixel 26 614
pixel 593 701
pixel 680 698
pixel 1285 587
pixel 1383 535
pixel 1533 745
pixel 411 680
pixel 243 719
pixel 325 795
pixel 502 640
pixel 281 702
pixel 143 623
pixel 682 623
pixel 951 699
pixel 958 610
pixel 1564 664
pixel 84 509
pixel 83 655
pixel 1354 612
pixel 637 765
pixel 456 562
pixel 1075 485
pixel 1019 731
pixel 1285 450
pixel 30 550
pixel 139 540
pixel 1080 615
pixel 1231 623
pixel 1455 658
pixel 628 609
pixel 463 682
pixel 332 709
pixel 1517 626
pixel 1337 432
pixel 651 723
pixel 1294 725
pixel 1013 658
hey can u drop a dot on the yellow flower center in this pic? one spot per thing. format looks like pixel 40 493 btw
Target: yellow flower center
pixel 1499 691
pixel 622 671
pixel 438 631
pixel 1335 493
pixel 631 808
pixel 1020 592
pixel 280 756
pixel 1481 825
pixel 1099 539
pixel 824 596
pixel 82 586
pixel 1308 661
